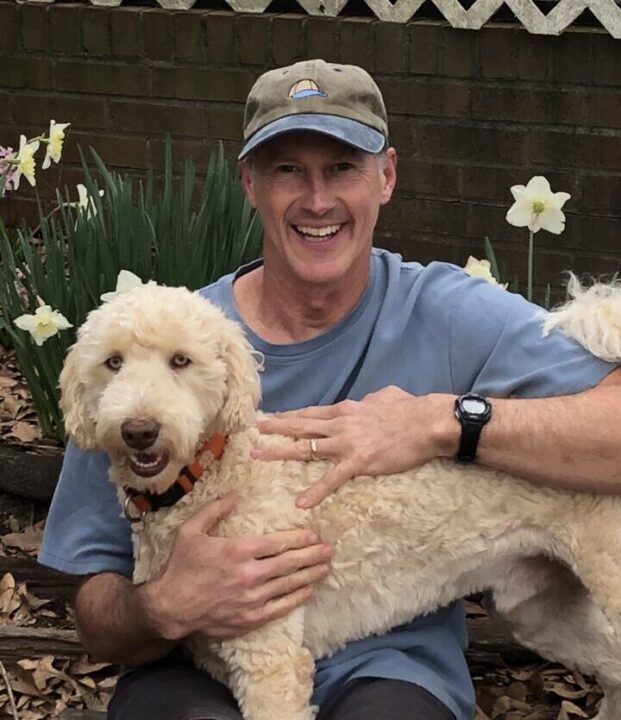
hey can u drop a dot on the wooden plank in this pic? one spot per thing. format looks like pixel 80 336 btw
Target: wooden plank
pixel 73 714
pixel 28 474
pixel 40 580
pixel 17 643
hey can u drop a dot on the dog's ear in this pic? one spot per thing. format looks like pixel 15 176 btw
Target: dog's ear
pixel 244 389
pixel 79 423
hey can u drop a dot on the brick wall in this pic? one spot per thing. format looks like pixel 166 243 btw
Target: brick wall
pixel 471 112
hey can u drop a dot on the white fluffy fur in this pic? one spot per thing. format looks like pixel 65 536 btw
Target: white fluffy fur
pixel 404 544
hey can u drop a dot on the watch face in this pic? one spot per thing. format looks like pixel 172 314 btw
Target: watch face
pixel 473 406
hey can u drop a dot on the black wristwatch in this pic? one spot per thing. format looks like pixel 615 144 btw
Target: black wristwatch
pixel 473 412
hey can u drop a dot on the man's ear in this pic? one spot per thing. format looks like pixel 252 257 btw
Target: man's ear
pixel 247 181
pixel 389 175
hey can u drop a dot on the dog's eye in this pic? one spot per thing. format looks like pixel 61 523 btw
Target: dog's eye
pixel 114 362
pixel 179 361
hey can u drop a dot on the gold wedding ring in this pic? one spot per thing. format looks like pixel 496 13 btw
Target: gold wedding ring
pixel 312 449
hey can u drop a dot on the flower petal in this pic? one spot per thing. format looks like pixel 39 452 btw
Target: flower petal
pixel 538 187
pixel 552 220
pixel 519 214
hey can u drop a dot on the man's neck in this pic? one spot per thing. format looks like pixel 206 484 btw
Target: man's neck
pixel 282 314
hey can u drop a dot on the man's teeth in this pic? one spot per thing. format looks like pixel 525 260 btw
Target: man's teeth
pixel 318 232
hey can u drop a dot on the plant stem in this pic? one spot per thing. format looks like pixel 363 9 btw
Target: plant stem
pixel 529 287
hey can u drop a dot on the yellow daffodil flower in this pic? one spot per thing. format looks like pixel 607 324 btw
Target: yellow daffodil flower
pixel 482 269
pixel 125 281
pixel 24 161
pixel 43 324
pixel 537 207
pixel 54 143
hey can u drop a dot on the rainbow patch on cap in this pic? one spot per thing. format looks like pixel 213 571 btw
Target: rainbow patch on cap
pixel 305 88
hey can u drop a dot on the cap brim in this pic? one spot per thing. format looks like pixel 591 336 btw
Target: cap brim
pixel 351 132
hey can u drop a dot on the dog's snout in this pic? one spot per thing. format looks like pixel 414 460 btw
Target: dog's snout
pixel 140 434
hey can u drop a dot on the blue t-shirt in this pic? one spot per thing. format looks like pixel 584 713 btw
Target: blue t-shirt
pixel 425 329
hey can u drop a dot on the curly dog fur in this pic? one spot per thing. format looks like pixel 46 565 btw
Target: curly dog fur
pixel 404 544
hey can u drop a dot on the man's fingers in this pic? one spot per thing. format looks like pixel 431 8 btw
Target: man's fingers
pixel 330 482
pixel 287 584
pixel 211 514
pixel 282 606
pixel 276 543
pixel 294 560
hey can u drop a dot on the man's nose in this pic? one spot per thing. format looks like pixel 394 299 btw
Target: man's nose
pixel 318 198
pixel 140 434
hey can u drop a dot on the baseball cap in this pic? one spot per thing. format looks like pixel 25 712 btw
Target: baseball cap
pixel 342 101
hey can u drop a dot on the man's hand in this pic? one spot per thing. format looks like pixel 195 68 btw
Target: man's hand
pixel 388 431
pixel 225 587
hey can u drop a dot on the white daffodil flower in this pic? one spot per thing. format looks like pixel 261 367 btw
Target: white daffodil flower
pixel 537 207
pixel 125 281
pixel 86 203
pixel 24 161
pixel 482 269
pixel 43 324
pixel 54 143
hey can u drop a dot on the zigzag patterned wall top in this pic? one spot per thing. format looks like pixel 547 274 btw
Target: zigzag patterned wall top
pixel 564 12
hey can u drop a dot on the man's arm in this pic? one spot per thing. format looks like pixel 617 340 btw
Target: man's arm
pixel 221 587
pixel 571 442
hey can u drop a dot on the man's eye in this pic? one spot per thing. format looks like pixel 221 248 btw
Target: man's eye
pixel 343 166
pixel 285 169
pixel 179 361
pixel 114 362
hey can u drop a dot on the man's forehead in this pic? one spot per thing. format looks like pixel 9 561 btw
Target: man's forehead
pixel 305 143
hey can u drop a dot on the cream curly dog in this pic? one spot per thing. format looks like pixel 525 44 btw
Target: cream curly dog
pixel 166 361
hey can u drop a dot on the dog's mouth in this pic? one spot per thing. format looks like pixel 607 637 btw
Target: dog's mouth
pixel 148 464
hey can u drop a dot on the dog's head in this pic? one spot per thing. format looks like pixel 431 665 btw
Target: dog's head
pixel 592 317
pixel 153 373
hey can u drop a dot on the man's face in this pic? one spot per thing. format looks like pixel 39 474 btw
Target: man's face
pixel 319 201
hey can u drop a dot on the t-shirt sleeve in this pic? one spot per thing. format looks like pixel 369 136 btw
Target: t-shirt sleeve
pixel 497 346
pixel 85 531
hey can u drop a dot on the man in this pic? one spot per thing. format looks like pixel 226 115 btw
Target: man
pixel 336 319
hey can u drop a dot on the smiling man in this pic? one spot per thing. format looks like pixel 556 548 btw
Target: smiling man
pixel 380 365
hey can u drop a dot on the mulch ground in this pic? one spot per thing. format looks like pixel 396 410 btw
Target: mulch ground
pixel 35 688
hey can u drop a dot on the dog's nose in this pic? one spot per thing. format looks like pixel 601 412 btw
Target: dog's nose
pixel 140 434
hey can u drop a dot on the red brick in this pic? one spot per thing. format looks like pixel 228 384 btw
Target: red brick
pixel 221 37
pixel 254 39
pixel 157 27
pixel 201 83
pixel 9 22
pixel 115 151
pixel 533 56
pixel 158 119
pixel 422 97
pixel 426 47
pixel 26 73
pixel 195 150
pixel 606 60
pixel 464 142
pixel 80 112
pixel 126 32
pixel 103 78
pixel 401 135
pixel 461 54
pixel 429 179
pixel 226 121
pixel 34 30
pixel 531 105
pixel 593 234
pixel 322 38
pixel 574 149
pixel 605 109
pixel 95 31
pixel 189 36
pixel 571 57
pixel 287 40
pixel 357 42
pixel 391 47
pixel 497 52
pixel 65 35
pixel 601 192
